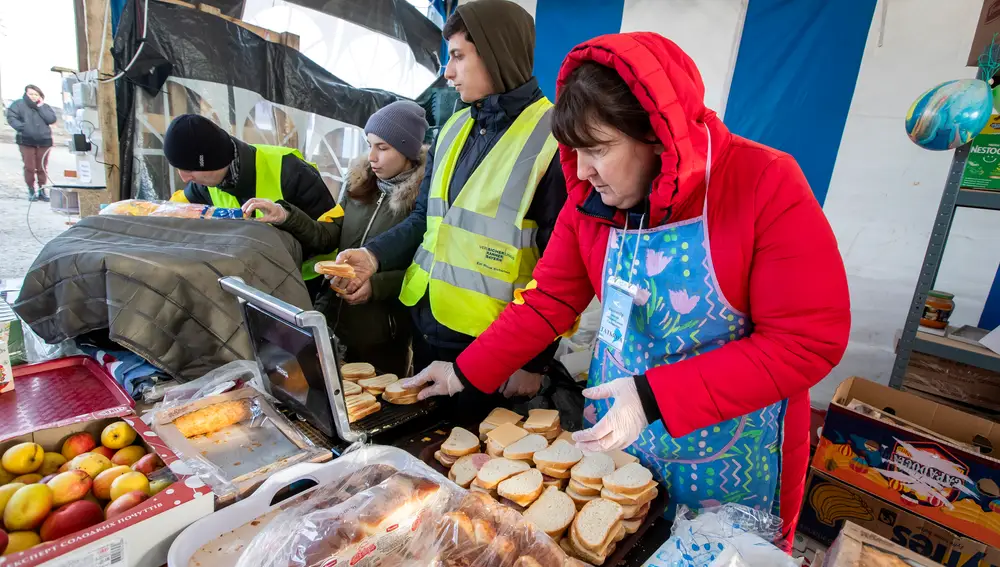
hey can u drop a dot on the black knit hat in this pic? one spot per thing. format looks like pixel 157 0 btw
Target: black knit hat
pixel 195 143
pixel 402 125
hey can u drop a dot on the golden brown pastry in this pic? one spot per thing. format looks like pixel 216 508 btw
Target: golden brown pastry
pixel 214 417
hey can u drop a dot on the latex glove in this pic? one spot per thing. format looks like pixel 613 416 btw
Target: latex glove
pixel 272 212
pixel 440 378
pixel 623 423
pixel 365 265
pixel 363 295
pixel 521 383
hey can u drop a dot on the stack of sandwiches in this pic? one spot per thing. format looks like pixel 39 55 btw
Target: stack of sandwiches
pixel 394 393
pixel 595 532
pixel 544 422
pixel 360 406
pixel 355 371
pixel 375 386
pixel 589 501
pixel 363 387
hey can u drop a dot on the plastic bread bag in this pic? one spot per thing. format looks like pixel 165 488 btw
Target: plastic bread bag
pixel 232 441
pixel 139 208
pixel 388 508
pixel 232 376
pixel 731 535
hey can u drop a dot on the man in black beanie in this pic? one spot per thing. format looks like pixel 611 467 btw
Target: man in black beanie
pixel 493 188
pixel 225 172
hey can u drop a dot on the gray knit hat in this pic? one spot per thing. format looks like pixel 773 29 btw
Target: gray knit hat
pixel 402 125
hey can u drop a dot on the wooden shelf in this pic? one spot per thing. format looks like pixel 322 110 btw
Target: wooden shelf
pixel 958 351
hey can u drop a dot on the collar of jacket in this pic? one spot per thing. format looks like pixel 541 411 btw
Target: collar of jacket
pixel 505 107
pixel 594 207
pixel 244 187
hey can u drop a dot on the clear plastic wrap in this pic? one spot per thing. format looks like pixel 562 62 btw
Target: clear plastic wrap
pixel 233 438
pixel 140 208
pixel 37 350
pixel 731 535
pixel 388 508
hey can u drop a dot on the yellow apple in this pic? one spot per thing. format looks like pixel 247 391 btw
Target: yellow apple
pixel 93 463
pixel 51 463
pixel 158 485
pixel 70 486
pixel 19 541
pixel 6 491
pixel 118 435
pixel 129 482
pixel 102 484
pixel 23 458
pixel 27 508
pixel 129 455
pixel 77 444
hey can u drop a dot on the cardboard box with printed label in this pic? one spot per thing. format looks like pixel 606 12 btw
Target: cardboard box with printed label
pixel 858 547
pixel 140 536
pixel 982 169
pixel 928 459
pixel 829 505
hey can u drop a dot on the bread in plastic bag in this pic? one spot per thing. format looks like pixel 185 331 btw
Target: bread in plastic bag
pixel 388 508
pixel 139 208
pixel 731 535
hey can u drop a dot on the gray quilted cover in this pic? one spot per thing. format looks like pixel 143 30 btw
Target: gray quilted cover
pixel 153 283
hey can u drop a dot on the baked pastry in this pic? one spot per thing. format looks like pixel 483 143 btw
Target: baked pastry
pixel 331 268
pixel 212 418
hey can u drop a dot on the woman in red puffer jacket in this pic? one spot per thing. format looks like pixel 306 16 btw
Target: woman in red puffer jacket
pixel 724 295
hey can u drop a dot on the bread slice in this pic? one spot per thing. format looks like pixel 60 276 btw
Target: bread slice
pixel 522 488
pixel 401 401
pixel 363 412
pixel 631 479
pixel 551 436
pixel 378 384
pixel 560 456
pixel 355 371
pixel 621 458
pixel 632 526
pixel 558 483
pixel 540 420
pixel 562 474
pixel 631 499
pixel 525 447
pixel 552 513
pixel 579 499
pixel 499 470
pixel 594 559
pixel 634 512
pixel 465 469
pixel 359 401
pixel 333 268
pixel 484 429
pixel 593 468
pixel 492 450
pixel 597 524
pixel 484 531
pixel 351 388
pixel 500 416
pixel 396 394
pixel 582 489
pixel 460 442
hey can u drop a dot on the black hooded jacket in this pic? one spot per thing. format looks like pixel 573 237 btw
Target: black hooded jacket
pixel 32 122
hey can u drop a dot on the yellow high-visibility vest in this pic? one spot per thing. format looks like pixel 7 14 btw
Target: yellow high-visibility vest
pixel 268 162
pixel 479 249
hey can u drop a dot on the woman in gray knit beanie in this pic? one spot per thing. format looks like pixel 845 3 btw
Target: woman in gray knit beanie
pixel 381 190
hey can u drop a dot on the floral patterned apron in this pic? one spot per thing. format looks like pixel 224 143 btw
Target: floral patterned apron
pixel 678 313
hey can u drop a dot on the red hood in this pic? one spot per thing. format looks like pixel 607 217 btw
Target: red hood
pixel 668 85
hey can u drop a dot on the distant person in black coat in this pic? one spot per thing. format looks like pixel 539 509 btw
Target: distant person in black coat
pixel 32 119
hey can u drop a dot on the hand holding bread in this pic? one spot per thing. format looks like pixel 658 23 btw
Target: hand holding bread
pixel 438 379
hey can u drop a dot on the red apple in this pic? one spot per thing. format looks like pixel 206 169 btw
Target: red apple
pixel 148 463
pixel 105 451
pixel 3 541
pixel 71 518
pixel 77 444
pixel 124 502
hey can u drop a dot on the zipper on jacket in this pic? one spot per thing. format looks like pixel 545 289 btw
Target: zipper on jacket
pixel 371 221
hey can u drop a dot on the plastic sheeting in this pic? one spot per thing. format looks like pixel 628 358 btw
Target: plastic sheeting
pixel 261 92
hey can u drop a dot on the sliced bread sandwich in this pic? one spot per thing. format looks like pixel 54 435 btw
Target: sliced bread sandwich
pixel 597 525
pixel 525 447
pixel 552 513
pixel 465 469
pixel 377 385
pixel 395 394
pixel 643 497
pixel 498 470
pixel 460 442
pixel 560 456
pixel 631 479
pixel 357 371
pixel 503 436
pixel 351 388
pixel 592 469
pixel 522 488
pixel 541 420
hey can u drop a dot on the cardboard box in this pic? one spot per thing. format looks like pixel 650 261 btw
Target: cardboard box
pixel 858 547
pixel 829 505
pixel 989 24
pixel 925 458
pixel 982 170
pixel 139 537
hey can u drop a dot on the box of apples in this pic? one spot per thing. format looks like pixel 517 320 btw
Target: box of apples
pixel 100 492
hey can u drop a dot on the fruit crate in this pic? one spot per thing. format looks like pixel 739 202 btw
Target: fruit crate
pixel 135 535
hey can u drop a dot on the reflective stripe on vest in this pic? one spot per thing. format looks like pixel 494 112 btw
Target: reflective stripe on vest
pixel 479 249
pixel 268 161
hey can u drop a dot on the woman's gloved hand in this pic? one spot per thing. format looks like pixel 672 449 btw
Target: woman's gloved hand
pixel 521 383
pixel 365 265
pixel 440 378
pixel 623 423
pixel 271 212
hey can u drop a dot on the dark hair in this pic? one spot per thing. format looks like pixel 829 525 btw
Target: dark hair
pixel 593 94
pixel 34 88
pixel 455 25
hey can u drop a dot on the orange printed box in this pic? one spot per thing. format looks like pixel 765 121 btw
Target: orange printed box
pixel 928 459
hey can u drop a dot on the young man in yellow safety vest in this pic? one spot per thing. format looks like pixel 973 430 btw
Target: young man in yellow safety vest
pixel 223 171
pixel 492 190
